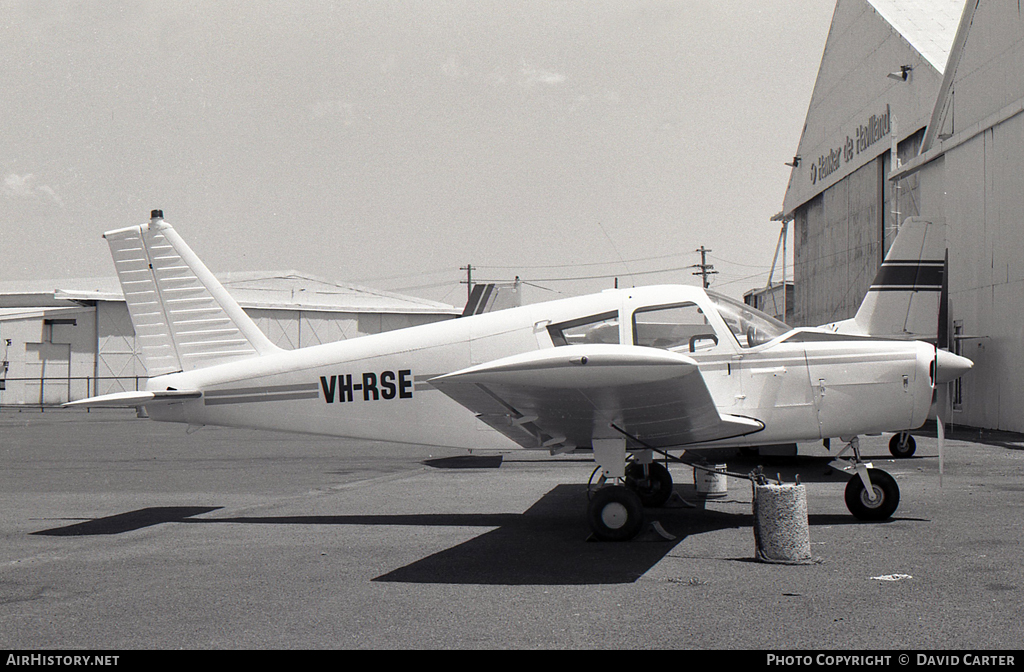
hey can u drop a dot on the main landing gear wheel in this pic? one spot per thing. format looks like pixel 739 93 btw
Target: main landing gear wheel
pixel 654 490
pixel 615 513
pixel 902 445
pixel 886 496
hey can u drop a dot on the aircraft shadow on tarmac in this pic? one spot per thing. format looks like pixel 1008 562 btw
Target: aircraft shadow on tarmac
pixel 548 545
pixel 127 522
pixel 545 545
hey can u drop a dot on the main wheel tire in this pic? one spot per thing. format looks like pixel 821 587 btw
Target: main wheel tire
pixel 900 448
pixel 615 513
pixel 887 496
pixel 654 490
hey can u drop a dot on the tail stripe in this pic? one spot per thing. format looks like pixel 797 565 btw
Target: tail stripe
pixel 902 275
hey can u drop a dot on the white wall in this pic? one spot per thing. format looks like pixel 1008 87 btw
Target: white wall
pixel 48 363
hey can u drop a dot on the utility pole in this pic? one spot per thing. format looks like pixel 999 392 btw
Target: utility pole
pixel 468 268
pixel 706 269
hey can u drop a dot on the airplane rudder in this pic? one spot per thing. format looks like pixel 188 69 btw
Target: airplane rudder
pixel 153 339
pixel 184 318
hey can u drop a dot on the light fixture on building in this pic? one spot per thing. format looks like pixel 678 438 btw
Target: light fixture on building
pixel 903 75
pixel 795 162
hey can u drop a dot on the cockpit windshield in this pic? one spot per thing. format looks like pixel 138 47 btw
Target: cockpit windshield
pixel 750 326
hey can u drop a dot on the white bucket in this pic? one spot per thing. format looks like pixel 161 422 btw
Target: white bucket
pixel 711 484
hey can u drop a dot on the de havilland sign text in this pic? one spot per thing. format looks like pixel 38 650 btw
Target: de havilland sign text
pixel 874 129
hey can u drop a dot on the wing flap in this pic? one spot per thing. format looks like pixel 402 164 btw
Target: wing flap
pixel 571 395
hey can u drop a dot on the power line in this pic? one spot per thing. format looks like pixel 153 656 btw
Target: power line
pixel 412 274
pixel 736 263
pixel 705 270
pixel 596 277
pixel 747 277
pixel 430 286
pixel 583 265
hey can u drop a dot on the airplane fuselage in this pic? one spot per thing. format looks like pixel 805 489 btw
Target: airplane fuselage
pixel 803 385
pixel 625 373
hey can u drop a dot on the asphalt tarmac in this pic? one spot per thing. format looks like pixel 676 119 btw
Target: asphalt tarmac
pixel 120 534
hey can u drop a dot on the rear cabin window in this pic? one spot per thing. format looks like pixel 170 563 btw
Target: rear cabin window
pixel 680 326
pixel 603 328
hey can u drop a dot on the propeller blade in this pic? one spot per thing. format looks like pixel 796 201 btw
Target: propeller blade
pixel 952 366
pixel 942 332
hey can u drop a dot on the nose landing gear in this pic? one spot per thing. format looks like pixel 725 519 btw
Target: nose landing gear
pixel 878 503
pixel 871 494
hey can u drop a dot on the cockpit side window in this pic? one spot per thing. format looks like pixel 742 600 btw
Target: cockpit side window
pixel 603 328
pixel 680 326
pixel 751 327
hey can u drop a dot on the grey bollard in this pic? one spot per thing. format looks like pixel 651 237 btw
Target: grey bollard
pixel 780 524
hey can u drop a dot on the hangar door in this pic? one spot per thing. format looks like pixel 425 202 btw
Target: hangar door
pixel 118 365
pixel 47 373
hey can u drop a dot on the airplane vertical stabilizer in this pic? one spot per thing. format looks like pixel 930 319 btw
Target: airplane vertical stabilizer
pixel 904 299
pixel 184 319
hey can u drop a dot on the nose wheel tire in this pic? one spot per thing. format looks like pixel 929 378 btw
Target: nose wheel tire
pixel 654 490
pixel 882 505
pixel 615 513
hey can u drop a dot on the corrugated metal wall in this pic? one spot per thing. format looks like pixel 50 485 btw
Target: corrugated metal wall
pixel 838 247
pixel 979 186
pixel 842 235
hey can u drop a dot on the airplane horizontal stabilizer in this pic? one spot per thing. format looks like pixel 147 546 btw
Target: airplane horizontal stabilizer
pixel 135 399
pixel 568 396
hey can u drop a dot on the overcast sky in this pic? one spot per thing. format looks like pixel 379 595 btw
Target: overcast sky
pixel 390 143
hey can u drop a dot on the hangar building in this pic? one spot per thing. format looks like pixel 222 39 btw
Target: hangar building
pixel 63 340
pixel 918 110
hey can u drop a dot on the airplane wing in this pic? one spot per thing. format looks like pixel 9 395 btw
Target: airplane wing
pixel 568 396
pixel 134 399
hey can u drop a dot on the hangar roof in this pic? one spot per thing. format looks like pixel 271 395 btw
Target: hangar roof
pixel 261 289
pixel 928 25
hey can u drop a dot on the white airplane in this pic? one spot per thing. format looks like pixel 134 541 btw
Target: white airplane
pixel 626 373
